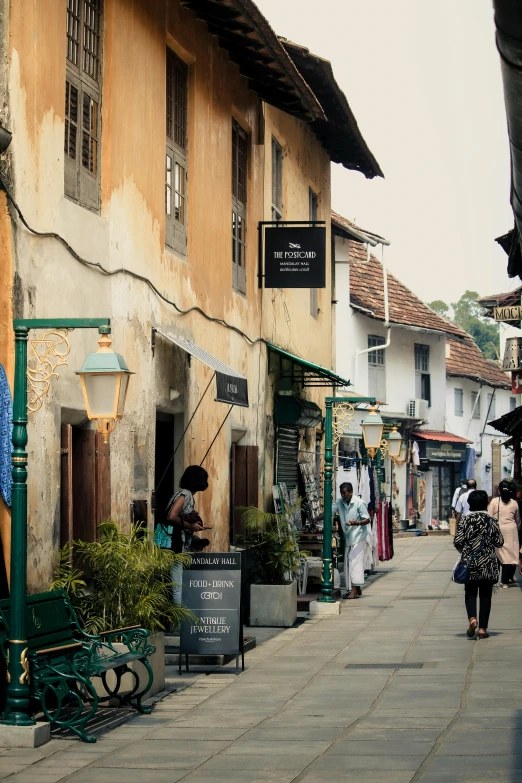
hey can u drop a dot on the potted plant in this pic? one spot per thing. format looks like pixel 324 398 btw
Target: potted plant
pixel 275 561
pixel 129 583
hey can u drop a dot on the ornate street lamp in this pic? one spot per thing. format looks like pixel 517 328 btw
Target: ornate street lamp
pixel 105 380
pixel 394 444
pixel 372 426
pixel 105 399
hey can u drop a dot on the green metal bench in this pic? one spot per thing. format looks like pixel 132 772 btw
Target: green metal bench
pixel 61 660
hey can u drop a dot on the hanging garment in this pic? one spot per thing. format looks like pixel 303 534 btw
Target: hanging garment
pixel 390 531
pixel 373 497
pixel 364 485
pixel 6 433
pixel 422 495
pixel 469 465
pixel 415 454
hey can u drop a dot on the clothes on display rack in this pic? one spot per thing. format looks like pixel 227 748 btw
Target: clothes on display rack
pixel 364 485
pixel 415 454
pixel 384 531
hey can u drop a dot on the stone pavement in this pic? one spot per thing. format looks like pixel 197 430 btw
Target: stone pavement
pixel 325 702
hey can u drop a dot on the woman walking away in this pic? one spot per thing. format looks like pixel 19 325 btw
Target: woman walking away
pixel 476 538
pixel 505 509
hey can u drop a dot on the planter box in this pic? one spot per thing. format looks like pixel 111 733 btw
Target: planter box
pixel 157 662
pixel 273 605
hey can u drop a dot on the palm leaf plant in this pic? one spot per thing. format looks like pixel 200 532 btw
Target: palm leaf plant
pixel 129 581
pixel 277 557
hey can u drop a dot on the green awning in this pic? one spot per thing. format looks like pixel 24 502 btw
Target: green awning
pixel 306 373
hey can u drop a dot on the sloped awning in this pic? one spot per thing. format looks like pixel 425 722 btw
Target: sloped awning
pixel 308 374
pixel 231 385
pixel 443 437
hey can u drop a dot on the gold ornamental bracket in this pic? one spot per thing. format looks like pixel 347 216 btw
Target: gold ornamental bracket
pixel 343 414
pixel 47 352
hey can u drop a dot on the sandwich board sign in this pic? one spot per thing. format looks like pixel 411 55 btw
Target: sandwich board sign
pixel 211 589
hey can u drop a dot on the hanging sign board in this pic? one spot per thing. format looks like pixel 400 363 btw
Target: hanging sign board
pixel 231 389
pixel 511 313
pixel 295 257
pixel 211 589
pixel 516 382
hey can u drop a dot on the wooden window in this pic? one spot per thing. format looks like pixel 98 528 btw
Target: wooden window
pixel 475 405
pixel 422 372
pixel 313 210
pixel 491 407
pixel 176 155
pixel 277 180
pixel 458 402
pixel 376 369
pixel 245 485
pixel 82 102
pixel 239 202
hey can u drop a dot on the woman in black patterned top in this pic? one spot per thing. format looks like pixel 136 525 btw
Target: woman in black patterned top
pixel 476 539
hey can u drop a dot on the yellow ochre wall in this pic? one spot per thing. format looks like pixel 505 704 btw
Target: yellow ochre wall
pixel 128 234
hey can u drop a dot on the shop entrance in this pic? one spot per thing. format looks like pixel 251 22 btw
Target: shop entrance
pixel 443 485
pixel 163 464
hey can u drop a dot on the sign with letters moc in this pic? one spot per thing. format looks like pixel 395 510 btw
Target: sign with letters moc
pixel 295 257
pixel 211 589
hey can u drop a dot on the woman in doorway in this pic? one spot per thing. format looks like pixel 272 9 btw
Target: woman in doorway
pixel 184 519
pixel 476 538
pixel 505 509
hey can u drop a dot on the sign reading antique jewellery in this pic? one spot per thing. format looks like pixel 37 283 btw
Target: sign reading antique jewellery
pixel 211 589
pixel 295 257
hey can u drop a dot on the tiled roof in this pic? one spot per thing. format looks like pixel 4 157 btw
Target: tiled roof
pixel 466 360
pixel 444 437
pixel 367 295
pixel 345 227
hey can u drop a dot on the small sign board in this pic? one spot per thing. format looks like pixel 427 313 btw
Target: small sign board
pixel 508 313
pixel 516 382
pixel 231 389
pixel 446 452
pixel 211 589
pixel 295 257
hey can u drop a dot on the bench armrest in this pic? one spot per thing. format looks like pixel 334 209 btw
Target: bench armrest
pixel 120 630
pixel 134 638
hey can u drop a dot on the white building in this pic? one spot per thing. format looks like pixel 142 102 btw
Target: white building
pixel 408 376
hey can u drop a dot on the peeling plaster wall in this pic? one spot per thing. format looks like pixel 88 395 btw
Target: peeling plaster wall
pixel 128 234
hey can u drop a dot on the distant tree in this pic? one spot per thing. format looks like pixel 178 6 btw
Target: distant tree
pixel 467 313
pixel 440 307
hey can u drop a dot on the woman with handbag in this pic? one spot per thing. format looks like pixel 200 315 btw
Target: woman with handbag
pixel 505 509
pixel 183 520
pixel 477 537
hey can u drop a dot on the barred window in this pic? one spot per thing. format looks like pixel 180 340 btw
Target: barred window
pixel 176 155
pixel 82 102
pixel 239 200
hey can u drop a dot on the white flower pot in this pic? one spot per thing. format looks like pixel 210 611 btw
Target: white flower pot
pixel 273 605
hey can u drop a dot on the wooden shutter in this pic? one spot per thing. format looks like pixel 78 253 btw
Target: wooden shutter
pixel 66 493
pixel 286 456
pixel 72 141
pixel 89 150
pixel 245 482
pixel 84 484
pixel 103 479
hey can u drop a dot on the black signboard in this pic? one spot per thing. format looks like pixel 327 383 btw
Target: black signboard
pixel 295 257
pixel 211 589
pixel 231 389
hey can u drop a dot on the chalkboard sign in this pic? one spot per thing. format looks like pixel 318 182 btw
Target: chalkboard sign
pixel 211 589
pixel 295 257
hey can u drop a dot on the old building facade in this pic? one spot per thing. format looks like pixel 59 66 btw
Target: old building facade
pixel 149 141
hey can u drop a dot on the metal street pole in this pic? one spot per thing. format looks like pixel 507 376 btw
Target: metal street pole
pixel 327 567
pixel 18 707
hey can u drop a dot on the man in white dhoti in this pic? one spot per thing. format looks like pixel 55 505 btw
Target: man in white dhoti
pixel 354 518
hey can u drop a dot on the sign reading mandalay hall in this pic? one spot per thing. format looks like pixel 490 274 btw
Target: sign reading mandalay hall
pixel 295 257
pixel 211 589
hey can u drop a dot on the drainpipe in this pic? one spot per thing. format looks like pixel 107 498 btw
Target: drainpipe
pixel 386 321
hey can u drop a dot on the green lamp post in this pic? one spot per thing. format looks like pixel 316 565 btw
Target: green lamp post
pixel 327 567
pixel 104 390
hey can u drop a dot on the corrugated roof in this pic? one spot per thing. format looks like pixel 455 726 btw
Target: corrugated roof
pixel 443 437
pixel 466 360
pixel 367 295
pixel 345 228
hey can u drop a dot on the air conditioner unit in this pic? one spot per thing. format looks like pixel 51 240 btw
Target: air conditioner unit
pixel 417 409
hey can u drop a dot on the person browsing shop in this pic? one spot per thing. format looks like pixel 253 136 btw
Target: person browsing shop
pixel 462 507
pixel 354 518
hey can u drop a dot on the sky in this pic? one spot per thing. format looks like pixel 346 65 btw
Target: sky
pixel 423 80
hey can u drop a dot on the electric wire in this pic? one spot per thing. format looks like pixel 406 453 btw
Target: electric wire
pixel 110 272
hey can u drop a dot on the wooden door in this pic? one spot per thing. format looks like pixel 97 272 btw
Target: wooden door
pixel 66 494
pixel 245 483
pixel 84 476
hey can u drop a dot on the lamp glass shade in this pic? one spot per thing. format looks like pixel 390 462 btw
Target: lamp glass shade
pixel 122 396
pixel 101 394
pixel 372 426
pixel 394 443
